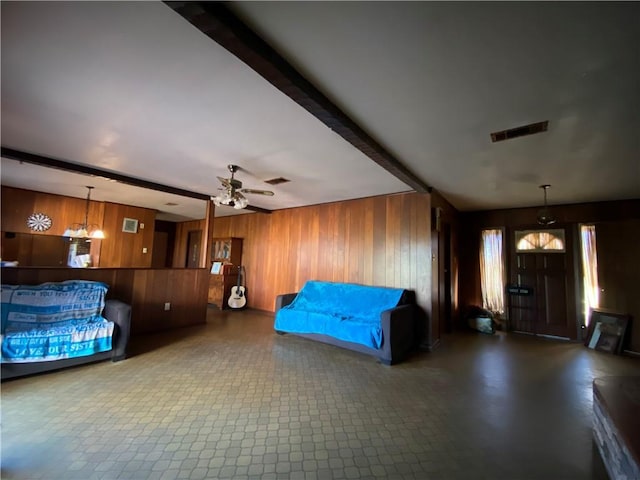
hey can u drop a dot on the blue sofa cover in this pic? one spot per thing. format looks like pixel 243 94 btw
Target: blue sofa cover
pixel 349 314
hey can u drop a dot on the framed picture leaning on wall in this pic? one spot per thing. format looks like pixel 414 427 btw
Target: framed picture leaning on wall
pixel 607 331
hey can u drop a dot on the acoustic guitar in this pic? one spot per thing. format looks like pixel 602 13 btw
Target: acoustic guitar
pixel 238 297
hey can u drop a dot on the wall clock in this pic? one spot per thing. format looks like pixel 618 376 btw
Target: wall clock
pixel 39 222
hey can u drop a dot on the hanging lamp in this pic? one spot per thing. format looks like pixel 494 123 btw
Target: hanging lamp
pixel 544 215
pixel 84 230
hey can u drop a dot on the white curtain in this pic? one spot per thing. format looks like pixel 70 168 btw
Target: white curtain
pixel 492 270
pixel 589 269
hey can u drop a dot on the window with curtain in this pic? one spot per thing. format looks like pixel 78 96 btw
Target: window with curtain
pixel 492 270
pixel 589 269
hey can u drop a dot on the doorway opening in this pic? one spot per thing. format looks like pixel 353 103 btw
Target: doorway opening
pixel 193 249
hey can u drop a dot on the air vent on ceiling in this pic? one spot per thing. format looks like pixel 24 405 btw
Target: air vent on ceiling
pixel 277 181
pixel 520 131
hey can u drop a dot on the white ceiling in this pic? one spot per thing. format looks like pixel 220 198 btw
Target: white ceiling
pixel 134 88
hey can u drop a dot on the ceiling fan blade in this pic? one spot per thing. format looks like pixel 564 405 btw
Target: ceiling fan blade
pixel 238 168
pixel 224 181
pixel 257 192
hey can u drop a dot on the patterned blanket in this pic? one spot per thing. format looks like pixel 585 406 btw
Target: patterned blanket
pixel 53 321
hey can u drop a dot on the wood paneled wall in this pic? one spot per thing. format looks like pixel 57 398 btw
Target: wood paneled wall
pixel 41 250
pixel 617 216
pixel 382 240
pixel 146 290
pixel 118 249
pixel 123 249
pixel 186 289
pixel 618 246
pixel 120 280
pixel 18 204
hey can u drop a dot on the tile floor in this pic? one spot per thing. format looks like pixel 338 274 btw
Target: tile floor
pixel 233 400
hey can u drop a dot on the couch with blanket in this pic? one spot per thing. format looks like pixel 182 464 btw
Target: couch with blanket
pixel 378 321
pixel 60 324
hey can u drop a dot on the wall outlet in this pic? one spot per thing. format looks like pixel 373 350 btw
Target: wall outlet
pixel 144 249
pixel 167 306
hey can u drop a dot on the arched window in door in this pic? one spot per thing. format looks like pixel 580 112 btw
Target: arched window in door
pixel 536 241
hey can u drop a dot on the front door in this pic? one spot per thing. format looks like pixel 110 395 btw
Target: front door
pixel 549 307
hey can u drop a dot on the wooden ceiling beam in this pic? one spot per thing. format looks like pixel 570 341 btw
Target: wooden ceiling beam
pixel 217 22
pixel 18 155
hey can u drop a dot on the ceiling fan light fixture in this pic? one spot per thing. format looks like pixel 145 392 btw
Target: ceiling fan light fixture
pixel 221 199
pixel 231 192
pixel 544 215
pixel 230 199
pixel 240 203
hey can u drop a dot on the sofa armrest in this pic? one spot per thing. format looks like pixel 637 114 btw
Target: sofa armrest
pixel 398 332
pixel 284 300
pixel 119 313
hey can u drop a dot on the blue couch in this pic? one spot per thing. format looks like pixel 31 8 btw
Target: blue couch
pixel 379 321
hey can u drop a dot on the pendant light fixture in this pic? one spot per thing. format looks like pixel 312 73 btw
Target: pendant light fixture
pixel 84 230
pixel 544 215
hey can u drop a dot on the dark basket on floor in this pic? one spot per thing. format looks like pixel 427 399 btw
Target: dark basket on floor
pixel 480 319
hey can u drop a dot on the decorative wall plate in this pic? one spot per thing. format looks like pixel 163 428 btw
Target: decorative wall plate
pixel 39 222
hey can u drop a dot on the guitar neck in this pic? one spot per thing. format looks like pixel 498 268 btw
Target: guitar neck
pixel 240 281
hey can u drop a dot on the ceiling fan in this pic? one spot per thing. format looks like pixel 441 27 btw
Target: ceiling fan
pixel 231 193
